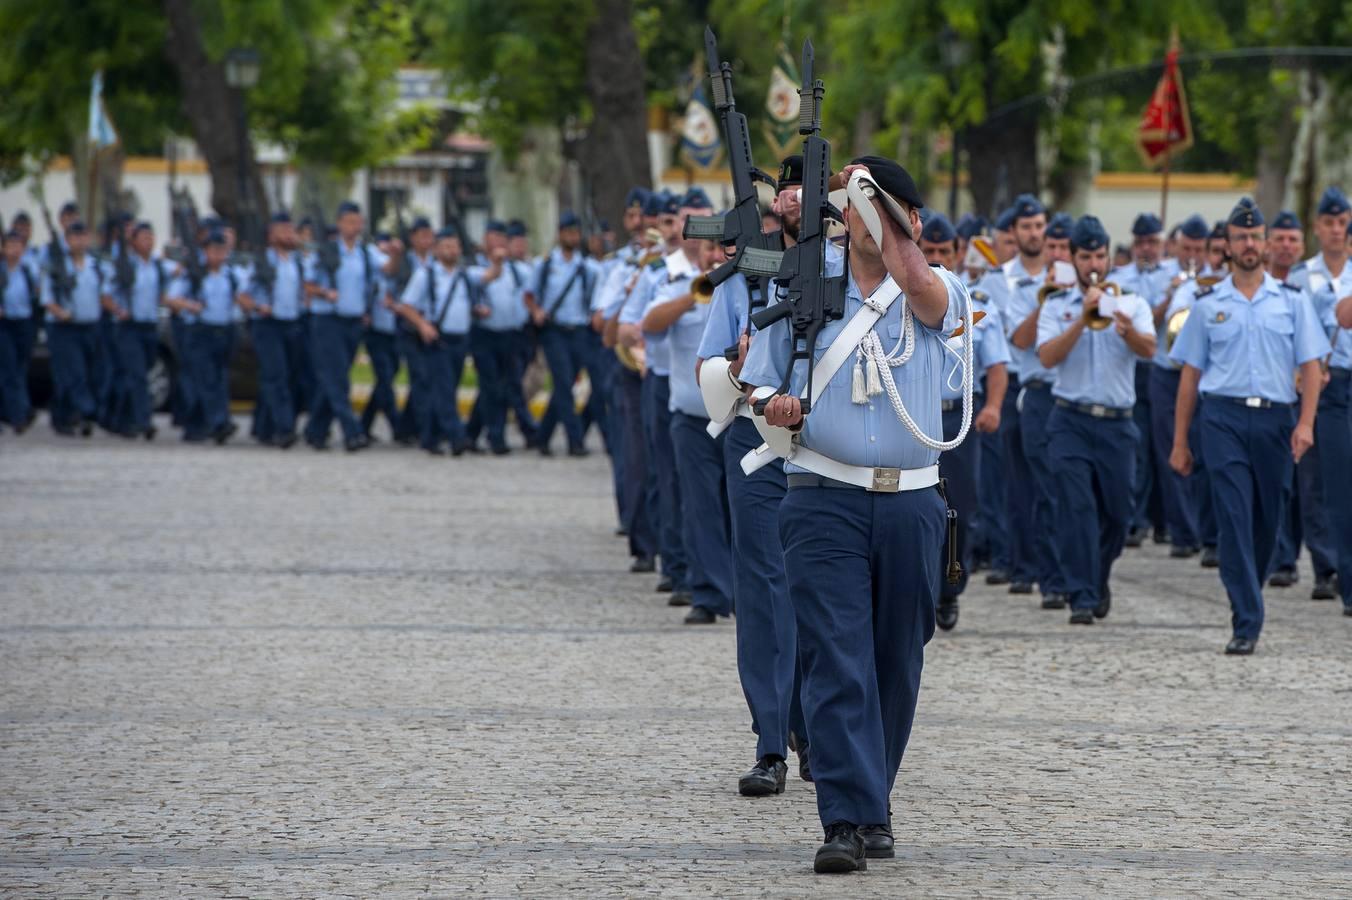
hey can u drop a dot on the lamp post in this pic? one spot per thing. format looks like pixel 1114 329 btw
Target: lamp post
pixel 242 65
pixel 953 51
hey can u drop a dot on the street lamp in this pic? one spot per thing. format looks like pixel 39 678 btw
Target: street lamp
pixel 241 73
pixel 953 53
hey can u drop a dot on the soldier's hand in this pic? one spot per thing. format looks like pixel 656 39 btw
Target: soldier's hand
pixel 783 410
pixel 481 311
pixel 265 311
pixel 331 295
pixel 1091 299
pixel 1180 459
pixel 499 254
pixel 427 333
pixel 538 316
pixel 1122 323
pixel 1302 439
pixel 743 347
pixel 988 420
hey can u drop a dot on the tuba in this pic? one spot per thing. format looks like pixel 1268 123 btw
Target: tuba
pixel 1093 320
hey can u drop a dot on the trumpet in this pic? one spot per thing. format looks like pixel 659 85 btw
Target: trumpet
pixel 702 288
pixel 1092 319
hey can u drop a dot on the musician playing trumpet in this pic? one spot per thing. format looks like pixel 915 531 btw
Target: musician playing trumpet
pixel 1091 436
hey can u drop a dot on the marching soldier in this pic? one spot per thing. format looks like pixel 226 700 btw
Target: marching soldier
pixel 1058 237
pixel 863 522
pixel 421 238
pixel 1006 247
pixel 274 301
pixel 19 298
pixel 342 283
pixel 71 293
pixel 959 467
pixel 133 295
pixel 523 341
pixel 493 339
pixel 1333 425
pixel 1032 514
pixel 560 308
pixel 382 346
pixel 206 300
pixel 1092 437
pixel 1240 345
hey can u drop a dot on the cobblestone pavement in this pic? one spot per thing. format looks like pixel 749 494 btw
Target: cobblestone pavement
pixel 242 672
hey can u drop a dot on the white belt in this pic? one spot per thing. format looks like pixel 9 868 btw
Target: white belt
pixel 885 480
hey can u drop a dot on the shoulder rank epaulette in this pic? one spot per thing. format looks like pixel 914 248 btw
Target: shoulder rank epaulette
pixel 1025 282
pixel 1202 292
pixel 980 296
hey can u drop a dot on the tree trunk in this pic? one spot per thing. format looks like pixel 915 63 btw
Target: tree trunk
pixel 215 111
pixel 615 155
pixel 1002 161
pixel 1274 162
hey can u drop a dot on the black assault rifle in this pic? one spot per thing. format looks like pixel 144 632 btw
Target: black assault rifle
pixel 812 297
pixel 740 227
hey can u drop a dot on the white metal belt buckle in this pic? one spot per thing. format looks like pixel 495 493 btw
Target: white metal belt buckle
pixel 1098 411
pixel 1253 402
pixel 888 480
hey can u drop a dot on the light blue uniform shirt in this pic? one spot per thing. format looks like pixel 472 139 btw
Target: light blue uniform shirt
pixel 1022 303
pixel 572 308
pixel 1313 274
pixel 1101 368
pixel 1153 285
pixel 865 434
pixel 726 319
pixel 995 287
pixel 505 297
pixel 82 301
pixel 288 286
pixel 215 293
pixel 1340 338
pixel 350 278
pixel 18 299
pixel 992 348
pixel 444 302
pixel 655 345
pixel 149 280
pixel 383 319
pixel 1250 348
pixel 682 345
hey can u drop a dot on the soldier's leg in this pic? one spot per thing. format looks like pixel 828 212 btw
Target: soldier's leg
pixel 1071 455
pixel 1225 440
pixel 704 503
pixel 1333 432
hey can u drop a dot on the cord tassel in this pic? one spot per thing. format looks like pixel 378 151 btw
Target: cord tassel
pixel 857 382
pixel 875 382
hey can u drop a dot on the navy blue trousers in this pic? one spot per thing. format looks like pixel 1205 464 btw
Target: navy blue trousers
pixel 443 364
pixel 636 513
pixel 1148 503
pixel 209 360
pixel 410 419
pixel 383 349
pixel 1094 460
pixel 1248 455
pixel 73 348
pixel 181 389
pixel 104 375
pixel 1037 406
pixel 137 347
pixel 959 470
pixel 278 346
pixel 767 632
pixel 990 522
pixel 16 349
pixel 333 346
pixel 1176 492
pixel 863 572
pixel 1018 491
pixel 662 461
pixel 1333 432
pixel 1305 520
pixel 705 526
pixel 494 353
pixel 568 352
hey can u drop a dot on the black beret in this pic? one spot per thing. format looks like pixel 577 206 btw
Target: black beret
pixel 1194 227
pixel 938 230
pixel 1246 214
pixel 891 178
pixel 1286 221
pixel 1146 224
pixel 791 171
pixel 1088 234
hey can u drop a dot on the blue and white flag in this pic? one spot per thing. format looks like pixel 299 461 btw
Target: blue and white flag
pixel 701 142
pixel 101 130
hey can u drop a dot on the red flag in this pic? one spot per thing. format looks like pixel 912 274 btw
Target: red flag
pixel 1166 127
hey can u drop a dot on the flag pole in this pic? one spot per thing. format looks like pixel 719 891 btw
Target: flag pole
pixel 1170 56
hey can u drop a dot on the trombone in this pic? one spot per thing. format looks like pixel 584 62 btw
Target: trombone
pixel 1093 319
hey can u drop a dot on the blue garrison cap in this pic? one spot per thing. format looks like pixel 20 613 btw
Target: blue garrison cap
pixel 1333 202
pixel 637 198
pixel 382 236
pixel 1027 206
pixel 1146 224
pixel 307 222
pixel 69 208
pixel 1060 226
pixel 938 230
pixel 279 217
pixel 495 226
pixel 652 205
pixel 516 228
pixel 1286 221
pixel 76 227
pixel 141 226
pixel 1194 227
pixel 20 216
pixel 420 223
pixel 1246 214
pixel 347 206
pixel 210 223
pixel 1217 231
pixel 448 231
pixel 13 235
pixel 671 204
pixel 695 198
pixel 1005 220
pixel 1088 234
pixel 215 238
pixel 969 226
pixel 569 219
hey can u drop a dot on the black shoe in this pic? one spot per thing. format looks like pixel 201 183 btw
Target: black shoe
pixel 503 450
pixel 766 777
pixel 1159 536
pixel 997 576
pixel 643 564
pixel 151 431
pixel 360 442
pixel 407 440
pixel 544 450
pixel 1082 617
pixel 665 586
pixel 578 452
pixel 436 450
pixel 460 449
pixel 1240 646
pixel 472 448
pixel 1053 601
pixel 1284 577
pixel 1180 552
pixel 1324 588
pixel 1136 537
pixel 878 842
pixel 698 615
pixel 224 433
pixel 947 615
pixel 842 851
pixel 1021 587
pixel 86 428
pixel 286 441
pixel 317 445
pixel 1347 610
pixel 799 747
pixel 26 423
pixel 680 598
pixel 1210 558
pixel 1105 603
